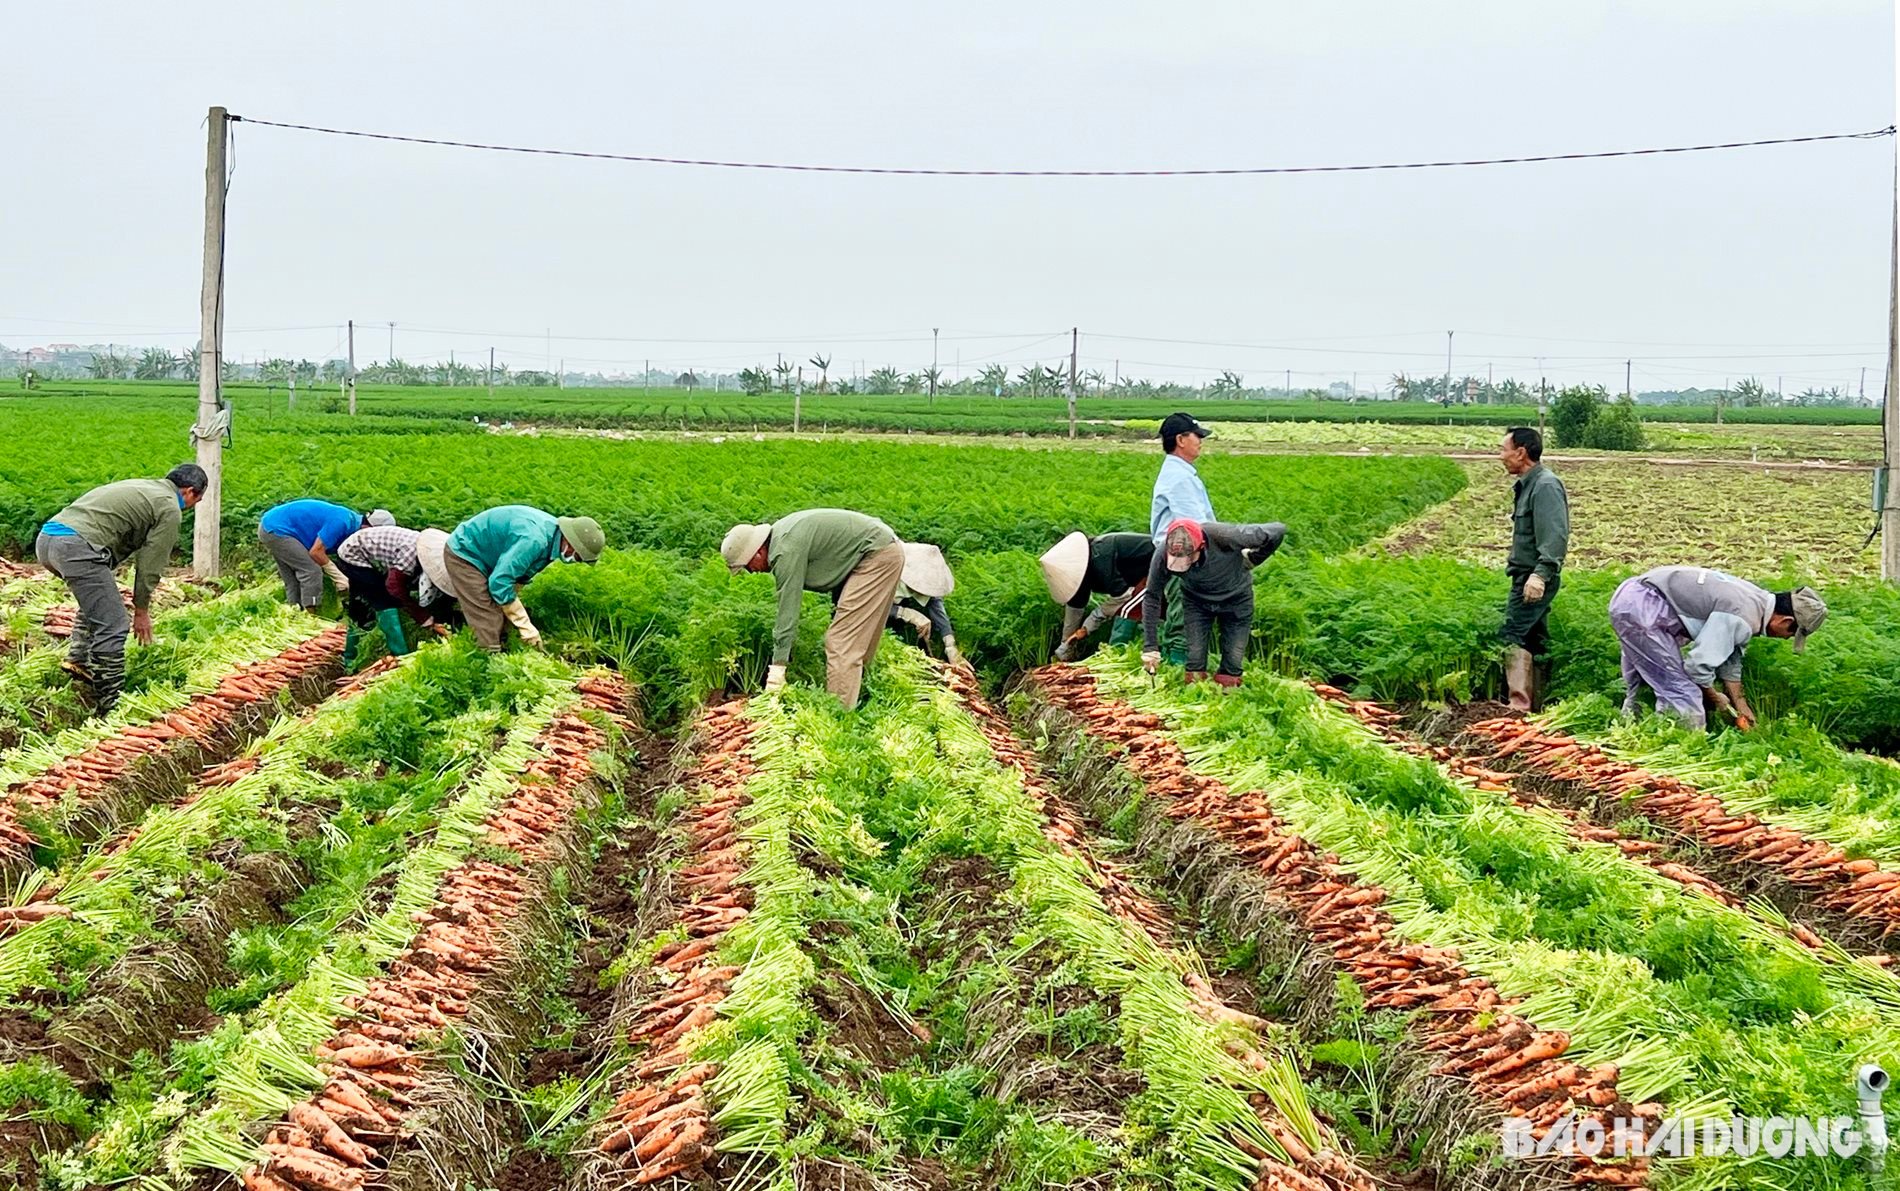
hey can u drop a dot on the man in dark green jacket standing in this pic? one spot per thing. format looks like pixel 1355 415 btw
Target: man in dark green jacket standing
pixel 1540 537
pixel 89 540
pixel 835 551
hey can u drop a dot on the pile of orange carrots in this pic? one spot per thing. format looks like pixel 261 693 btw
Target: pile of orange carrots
pixel 1324 1170
pixel 662 1125
pixel 376 1061
pixel 1859 890
pixel 1507 1061
pixel 197 725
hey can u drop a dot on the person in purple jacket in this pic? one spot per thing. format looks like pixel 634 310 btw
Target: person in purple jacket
pixel 301 535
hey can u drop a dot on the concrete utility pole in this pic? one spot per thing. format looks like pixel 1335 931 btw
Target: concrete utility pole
pixel 1626 378
pixel 1890 414
pixel 1490 391
pixel 489 376
pixel 1075 338
pixel 392 341
pixel 1289 384
pixel 208 434
pixel 1448 367
pixel 933 368
pixel 352 376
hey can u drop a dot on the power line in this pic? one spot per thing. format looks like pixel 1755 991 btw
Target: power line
pixel 1354 351
pixel 912 171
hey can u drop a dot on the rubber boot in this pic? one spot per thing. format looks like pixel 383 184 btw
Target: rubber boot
pixel 1197 676
pixel 1518 669
pixel 390 621
pixel 108 680
pixel 1227 682
pixel 352 638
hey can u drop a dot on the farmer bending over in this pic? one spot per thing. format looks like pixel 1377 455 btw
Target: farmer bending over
pixel 494 552
pixel 87 542
pixel 386 578
pixel 1659 612
pixel 831 551
pixel 301 535
pixel 1215 564
pixel 1079 567
pixel 919 600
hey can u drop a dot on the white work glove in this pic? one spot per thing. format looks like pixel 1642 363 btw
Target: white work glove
pixel 951 653
pixel 518 616
pixel 916 620
pixel 1533 589
pixel 774 678
pixel 1151 661
pixel 337 577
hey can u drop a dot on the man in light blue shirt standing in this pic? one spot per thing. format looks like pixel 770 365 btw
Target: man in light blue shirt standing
pixel 1179 494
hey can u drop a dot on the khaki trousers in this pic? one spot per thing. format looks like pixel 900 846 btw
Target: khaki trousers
pixel 858 623
pixel 479 608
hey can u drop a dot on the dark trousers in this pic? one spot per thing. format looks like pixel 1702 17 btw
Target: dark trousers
pixel 1527 626
pixel 100 629
pixel 1235 620
pixel 369 593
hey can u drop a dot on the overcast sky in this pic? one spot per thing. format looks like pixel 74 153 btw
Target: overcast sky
pixel 1703 267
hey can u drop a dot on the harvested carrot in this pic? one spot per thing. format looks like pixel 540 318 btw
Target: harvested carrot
pixel 1544 1046
pixel 309 1169
pixel 320 1126
pixel 374 1054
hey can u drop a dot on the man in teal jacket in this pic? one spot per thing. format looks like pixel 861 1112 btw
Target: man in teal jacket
pixel 494 552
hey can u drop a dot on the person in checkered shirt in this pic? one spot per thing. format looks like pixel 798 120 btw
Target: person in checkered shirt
pixel 386 580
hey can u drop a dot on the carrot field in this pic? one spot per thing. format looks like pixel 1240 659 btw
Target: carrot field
pixel 605 916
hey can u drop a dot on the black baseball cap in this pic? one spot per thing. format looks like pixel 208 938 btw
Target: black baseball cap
pixel 1175 425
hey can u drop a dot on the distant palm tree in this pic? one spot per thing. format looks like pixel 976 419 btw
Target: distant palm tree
pixel 155 363
pixel 823 365
pixel 995 378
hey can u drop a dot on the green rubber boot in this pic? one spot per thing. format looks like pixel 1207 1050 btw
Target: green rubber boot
pixel 352 638
pixel 390 621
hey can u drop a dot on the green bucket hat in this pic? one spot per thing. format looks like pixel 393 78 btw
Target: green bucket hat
pixel 584 535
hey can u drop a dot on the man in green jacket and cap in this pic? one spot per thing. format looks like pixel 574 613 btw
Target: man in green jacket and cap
pixel 494 552
pixel 836 551
pixel 89 540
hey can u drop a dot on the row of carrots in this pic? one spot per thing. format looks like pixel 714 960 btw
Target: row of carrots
pixel 376 1062
pixel 1385 721
pixel 1505 1060
pixel 1322 1170
pixel 198 725
pixel 1859 891
pixel 661 1126
pixel 43 903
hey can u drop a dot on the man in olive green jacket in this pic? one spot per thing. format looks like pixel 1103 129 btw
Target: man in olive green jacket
pixel 1540 538
pixel 89 540
pixel 835 551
